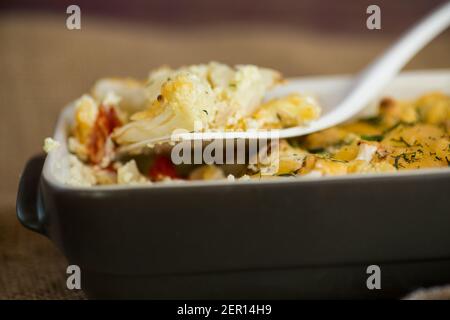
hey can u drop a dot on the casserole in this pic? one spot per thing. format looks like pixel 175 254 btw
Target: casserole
pixel 308 238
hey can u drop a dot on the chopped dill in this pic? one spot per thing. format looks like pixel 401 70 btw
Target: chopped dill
pixel 397 165
pixel 398 124
pixel 402 140
pixel 317 150
pixel 408 157
pixel 375 120
pixel 278 117
pixel 375 137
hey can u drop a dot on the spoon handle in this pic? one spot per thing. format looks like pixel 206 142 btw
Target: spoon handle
pixel 369 83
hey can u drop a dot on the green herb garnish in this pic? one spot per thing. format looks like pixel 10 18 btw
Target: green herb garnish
pixel 375 137
pixel 375 120
pixel 402 140
pixel 316 150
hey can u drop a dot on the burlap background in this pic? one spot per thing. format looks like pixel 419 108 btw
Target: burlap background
pixel 43 66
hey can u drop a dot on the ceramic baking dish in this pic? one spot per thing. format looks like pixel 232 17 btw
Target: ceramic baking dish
pixel 283 238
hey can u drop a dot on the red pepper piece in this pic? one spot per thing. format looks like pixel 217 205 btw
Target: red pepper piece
pixel 162 168
pixel 107 120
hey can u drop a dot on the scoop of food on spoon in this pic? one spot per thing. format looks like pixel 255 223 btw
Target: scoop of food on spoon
pixel 366 86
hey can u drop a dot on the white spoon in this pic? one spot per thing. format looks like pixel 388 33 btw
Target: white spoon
pixel 344 105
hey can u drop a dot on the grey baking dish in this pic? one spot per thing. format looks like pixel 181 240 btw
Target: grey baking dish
pixel 291 238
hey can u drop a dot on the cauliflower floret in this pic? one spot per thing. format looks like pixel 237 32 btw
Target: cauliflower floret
pixel 129 174
pixel 156 80
pixel 197 98
pixel 366 152
pixel 105 176
pixel 111 99
pixel 132 93
pixel 80 174
pixel 220 75
pixel 186 102
pixel 251 84
pixel 50 145
pixel 241 91
pixel 77 148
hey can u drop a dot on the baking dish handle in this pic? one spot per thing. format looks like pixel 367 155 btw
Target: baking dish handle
pixel 28 202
